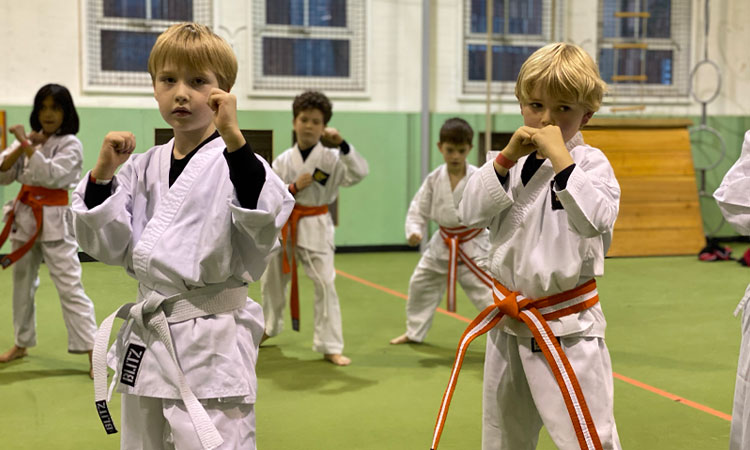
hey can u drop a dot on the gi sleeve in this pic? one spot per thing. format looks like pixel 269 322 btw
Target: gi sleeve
pixel 484 198
pixel 11 175
pixel 61 170
pixel 355 167
pixel 419 210
pixel 591 196
pixel 105 231
pixel 733 194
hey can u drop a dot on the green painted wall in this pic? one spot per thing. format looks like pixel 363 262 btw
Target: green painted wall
pixel 371 213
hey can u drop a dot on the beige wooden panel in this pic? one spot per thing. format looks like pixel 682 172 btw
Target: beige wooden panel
pixel 658 189
pixel 662 242
pixel 654 216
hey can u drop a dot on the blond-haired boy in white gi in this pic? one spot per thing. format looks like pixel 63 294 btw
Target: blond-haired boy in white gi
pixel 314 173
pixel 193 221
pixel 733 197
pixel 550 202
pixel 455 253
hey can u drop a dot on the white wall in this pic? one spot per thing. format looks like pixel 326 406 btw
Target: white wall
pixel 42 44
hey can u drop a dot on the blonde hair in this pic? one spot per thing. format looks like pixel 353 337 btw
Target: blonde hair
pixel 195 45
pixel 566 72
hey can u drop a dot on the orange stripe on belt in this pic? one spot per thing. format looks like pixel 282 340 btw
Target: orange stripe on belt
pixel 529 311
pixel 453 238
pixel 290 227
pixel 37 198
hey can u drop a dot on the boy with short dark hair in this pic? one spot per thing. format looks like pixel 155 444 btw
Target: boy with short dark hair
pixel 455 252
pixel 550 202
pixel 314 173
pixel 193 221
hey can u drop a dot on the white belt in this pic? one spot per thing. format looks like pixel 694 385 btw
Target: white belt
pixel 155 312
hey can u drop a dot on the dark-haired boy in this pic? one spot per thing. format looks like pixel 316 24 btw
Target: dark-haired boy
pixel 455 252
pixel 314 173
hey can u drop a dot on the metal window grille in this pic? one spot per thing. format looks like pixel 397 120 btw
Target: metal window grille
pixel 301 44
pixel 519 28
pixel 120 34
pixel 644 47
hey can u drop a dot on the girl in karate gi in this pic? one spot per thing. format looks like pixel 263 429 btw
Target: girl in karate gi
pixel 550 202
pixel 193 221
pixel 38 222
pixel 314 174
pixel 733 197
pixel 437 199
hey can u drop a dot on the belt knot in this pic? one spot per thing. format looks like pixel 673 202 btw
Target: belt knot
pixel 509 305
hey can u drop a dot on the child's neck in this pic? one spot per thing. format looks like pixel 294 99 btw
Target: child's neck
pixel 456 175
pixel 186 141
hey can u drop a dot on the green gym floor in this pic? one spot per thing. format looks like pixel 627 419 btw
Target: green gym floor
pixel 670 329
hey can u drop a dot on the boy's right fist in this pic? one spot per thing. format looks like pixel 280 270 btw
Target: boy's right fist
pixel 303 181
pixel 520 143
pixel 415 239
pixel 116 149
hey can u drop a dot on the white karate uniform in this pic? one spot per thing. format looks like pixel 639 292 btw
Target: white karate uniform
pixel 733 197
pixel 54 165
pixel 173 240
pixel 435 201
pixel 538 252
pixel 315 244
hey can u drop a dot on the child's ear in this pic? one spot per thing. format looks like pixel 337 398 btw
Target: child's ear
pixel 586 118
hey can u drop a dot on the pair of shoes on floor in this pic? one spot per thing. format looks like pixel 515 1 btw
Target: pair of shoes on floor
pixel 714 252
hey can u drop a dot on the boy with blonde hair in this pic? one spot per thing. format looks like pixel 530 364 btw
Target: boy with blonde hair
pixel 193 221
pixel 550 202
pixel 455 253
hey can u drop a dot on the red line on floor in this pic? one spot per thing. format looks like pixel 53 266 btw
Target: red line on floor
pixel 631 381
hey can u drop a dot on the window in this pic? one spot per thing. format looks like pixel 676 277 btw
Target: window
pixel 643 47
pixel 309 44
pixel 120 34
pixel 519 27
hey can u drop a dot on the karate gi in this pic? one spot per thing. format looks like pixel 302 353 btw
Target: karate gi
pixel 435 201
pixel 545 241
pixel 331 169
pixel 56 164
pixel 176 240
pixel 733 197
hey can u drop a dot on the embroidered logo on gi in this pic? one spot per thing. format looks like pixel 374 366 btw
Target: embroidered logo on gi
pixel 535 348
pixel 103 411
pixel 556 204
pixel 320 176
pixel 131 364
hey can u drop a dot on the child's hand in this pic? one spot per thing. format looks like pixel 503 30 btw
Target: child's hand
pixel 332 135
pixel 37 138
pixel 116 149
pixel 521 143
pixel 415 239
pixel 303 181
pixel 224 106
pixel 19 132
pixel 550 143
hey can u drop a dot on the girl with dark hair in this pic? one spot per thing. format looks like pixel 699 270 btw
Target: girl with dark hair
pixel 47 162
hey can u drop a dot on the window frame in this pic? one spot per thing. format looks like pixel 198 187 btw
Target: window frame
pixel 354 86
pixel 679 43
pixel 552 22
pixel 93 77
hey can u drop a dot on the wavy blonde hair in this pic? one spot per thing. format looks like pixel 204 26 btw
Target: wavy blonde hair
pixel 566 72
pixel 194 45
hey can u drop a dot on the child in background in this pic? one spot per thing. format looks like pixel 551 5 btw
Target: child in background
pixel 733 197
pixel 314 174
pixel 47 163
pixel 455 252
pixel 550 202
pixel 193 221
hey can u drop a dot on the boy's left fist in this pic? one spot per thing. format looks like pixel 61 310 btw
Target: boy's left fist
pixel 224 106
pixel 332 135
pixel 549 141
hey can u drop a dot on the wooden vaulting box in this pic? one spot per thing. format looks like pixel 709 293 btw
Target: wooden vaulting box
pixel 659 208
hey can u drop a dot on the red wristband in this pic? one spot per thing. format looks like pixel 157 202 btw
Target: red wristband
pixel 25 143
pixel 501 160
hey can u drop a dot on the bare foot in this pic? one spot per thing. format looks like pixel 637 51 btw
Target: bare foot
pixel 264 338
pixel 91 365
pixel 338 359
pixel 400 340
pixel 15 352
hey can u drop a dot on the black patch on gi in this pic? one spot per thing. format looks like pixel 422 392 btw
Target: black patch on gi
pixel 103 411
pixel 535 348
pixel 131 363
pixel 320 176
pixel 556 204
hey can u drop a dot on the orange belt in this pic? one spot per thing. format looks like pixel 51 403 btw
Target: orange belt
pixel 535 314
pixel 298 212
pixel 36 197
pixel 453 238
